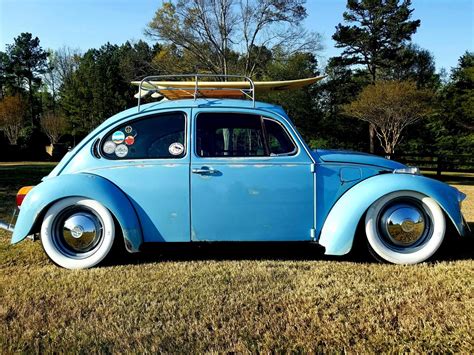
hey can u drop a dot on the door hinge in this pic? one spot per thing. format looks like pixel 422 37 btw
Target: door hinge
pixel 312 233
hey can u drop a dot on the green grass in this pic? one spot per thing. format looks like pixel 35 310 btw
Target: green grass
pixel 15 175
pixel 234 299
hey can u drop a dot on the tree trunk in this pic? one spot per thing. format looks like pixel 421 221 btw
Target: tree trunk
pixel 371 138
pixel 30 97
pixel 371 126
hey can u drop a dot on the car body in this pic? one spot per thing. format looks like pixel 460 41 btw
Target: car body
pixel 226 170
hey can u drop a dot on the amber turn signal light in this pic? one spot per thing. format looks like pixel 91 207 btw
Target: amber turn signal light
pixel 20 196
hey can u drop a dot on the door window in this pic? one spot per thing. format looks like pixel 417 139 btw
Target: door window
pixel 155 137
pixel 241 135
pixel 229 135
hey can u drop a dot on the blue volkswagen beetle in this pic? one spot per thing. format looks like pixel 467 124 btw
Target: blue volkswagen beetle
pixel 218 170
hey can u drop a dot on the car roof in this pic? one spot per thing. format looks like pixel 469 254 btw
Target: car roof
pixel 198 103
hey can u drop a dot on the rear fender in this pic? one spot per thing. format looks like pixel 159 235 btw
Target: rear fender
pixel 38 200
pixel 337 234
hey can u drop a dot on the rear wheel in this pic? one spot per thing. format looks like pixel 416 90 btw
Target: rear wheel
pixel 77 233
pixel 404 227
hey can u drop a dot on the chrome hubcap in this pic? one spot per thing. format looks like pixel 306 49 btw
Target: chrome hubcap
pixel 78 232
pixel 404 224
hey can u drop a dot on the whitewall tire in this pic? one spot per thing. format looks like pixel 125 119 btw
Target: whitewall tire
pixel 77 233
pixel 404 227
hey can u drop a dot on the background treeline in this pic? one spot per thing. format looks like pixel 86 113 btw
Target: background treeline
pixel 55 97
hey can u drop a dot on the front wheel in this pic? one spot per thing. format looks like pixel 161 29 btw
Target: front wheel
pixel 404 227
pixel 77 233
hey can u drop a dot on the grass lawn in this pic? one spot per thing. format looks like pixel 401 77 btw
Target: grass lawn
pixel 15 175
pixel 232 299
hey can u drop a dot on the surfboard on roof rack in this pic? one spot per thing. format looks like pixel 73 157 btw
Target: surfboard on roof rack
pixel 188 89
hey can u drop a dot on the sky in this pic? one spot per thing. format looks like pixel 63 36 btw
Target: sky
pixel 447 26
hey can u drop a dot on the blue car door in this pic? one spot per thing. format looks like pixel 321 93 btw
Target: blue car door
pixel 250 180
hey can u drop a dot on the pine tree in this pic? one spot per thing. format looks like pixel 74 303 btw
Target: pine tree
pixel 376 31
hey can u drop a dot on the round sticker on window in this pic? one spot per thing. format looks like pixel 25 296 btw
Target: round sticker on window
pixel 121 150
pixel 118 137
pixel 128 129
pixel 129 140
pixel 176 148
pixel 109 147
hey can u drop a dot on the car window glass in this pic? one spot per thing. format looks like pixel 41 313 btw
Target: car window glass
pixel 279 141
pixel 155 137
pixel 229 135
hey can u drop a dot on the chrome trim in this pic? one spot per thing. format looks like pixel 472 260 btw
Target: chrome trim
pixel 6 226
pixel 408 170
pixel 250 93
pixel 263 118
pixel 77 232
pixel 10 226
pixel 81 232
pixel 295 149
pixel 403 224
pixel 204 171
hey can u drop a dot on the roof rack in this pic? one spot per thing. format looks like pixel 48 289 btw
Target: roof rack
pixel 193 89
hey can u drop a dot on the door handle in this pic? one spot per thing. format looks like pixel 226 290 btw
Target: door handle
pixel 204 171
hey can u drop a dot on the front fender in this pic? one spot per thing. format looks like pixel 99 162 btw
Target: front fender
pixel 339 229
pixel 84 185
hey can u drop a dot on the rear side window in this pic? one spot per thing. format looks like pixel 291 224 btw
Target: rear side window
pixel 155 137
pixel 229 135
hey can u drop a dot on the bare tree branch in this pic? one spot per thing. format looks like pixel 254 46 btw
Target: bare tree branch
pixel 53 126
pixel 390 106
pixel 217 32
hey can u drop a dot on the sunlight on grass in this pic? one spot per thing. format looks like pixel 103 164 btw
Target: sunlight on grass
pixel 201 304
pixel 233 305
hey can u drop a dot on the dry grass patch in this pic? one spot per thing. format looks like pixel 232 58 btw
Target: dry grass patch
pixel 233 305
pixel 468 204
pixel 202 304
